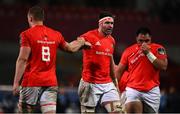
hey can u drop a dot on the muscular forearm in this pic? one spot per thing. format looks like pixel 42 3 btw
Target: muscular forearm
pixel 112 74
pixel 76 45
pixel 158 63
pixel 120 70
pixel 114 79
pixel 118 74
pixel 20 68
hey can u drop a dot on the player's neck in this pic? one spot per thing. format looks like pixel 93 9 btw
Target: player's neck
pixel 101 33
pixel 37 23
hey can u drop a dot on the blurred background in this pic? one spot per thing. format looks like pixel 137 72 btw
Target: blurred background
pixel 73 18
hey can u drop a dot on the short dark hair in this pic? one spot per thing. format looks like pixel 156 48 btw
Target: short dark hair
pixel 37 12
pixel 106 14
pixel 143 30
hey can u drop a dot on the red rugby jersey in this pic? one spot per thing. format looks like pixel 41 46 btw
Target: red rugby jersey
pixel 41 65
pixel 143 76
pixel 96 61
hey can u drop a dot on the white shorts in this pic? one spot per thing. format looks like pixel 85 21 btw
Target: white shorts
pixel 90 94
pixel 34 95
pixel 150 99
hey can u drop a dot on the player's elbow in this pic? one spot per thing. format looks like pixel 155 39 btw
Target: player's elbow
pixel 162 67
pixel 22 60
pixel 165 65
pixel 161 64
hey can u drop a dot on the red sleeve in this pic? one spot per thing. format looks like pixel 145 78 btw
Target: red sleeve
pixel 160 52
pixel 24 41
pixel 85 36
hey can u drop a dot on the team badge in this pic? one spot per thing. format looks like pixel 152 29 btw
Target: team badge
pixel 161 51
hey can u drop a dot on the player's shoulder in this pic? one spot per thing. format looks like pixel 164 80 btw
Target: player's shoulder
pixel 91 32
pixel 90 35
pixel 25 32
pixel 159 48
pixel 156 45
pixel 53 30
pixel 29 30
pixel 112 38
pixel 132 47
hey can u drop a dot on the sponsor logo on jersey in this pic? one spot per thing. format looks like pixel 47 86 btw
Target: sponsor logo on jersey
pixel 107 50
pixel 97 43
pixel 103 53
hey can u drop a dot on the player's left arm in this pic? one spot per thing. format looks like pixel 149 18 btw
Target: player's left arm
pixel 161 63
pixel 155 60
pixel 20 67
pixel 76 45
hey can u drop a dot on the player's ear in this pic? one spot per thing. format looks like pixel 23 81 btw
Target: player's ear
pixel 136 38
pixel 31 18
pixel 100 24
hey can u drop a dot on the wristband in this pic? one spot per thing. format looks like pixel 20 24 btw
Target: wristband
pixel 151 57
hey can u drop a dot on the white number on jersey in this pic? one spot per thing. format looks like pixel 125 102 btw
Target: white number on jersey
pixel 45 53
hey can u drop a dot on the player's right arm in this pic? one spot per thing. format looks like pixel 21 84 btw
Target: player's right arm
pixel 120 70
pixel 155 60
pixel 20 67
pixel 122 66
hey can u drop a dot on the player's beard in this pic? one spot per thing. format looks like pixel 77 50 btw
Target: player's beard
pixel 108 31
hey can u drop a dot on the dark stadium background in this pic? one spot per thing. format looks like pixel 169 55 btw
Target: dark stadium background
pixel 74 17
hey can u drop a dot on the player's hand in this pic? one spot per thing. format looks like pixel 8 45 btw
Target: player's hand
pixel 145 48
pixel 87 45
pixel 16 89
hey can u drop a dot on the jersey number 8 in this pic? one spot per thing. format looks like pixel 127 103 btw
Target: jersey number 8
pixel 45 53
